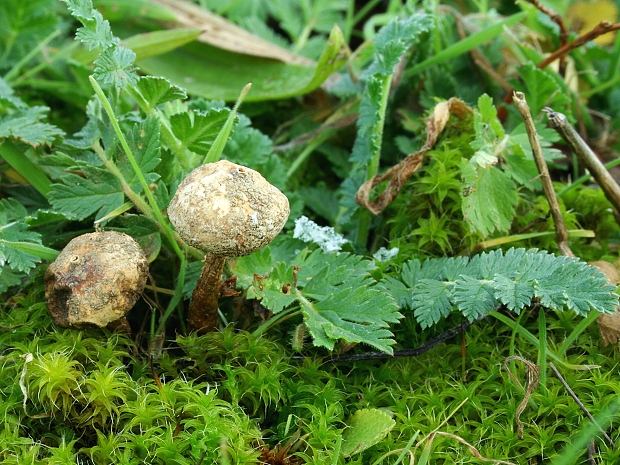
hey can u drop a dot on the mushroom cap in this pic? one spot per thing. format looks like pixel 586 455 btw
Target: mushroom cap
pixel 95 280
pixel 227 209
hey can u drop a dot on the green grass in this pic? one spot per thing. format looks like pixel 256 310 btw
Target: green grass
pixel 92 398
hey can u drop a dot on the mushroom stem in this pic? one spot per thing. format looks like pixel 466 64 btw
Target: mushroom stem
pixel 202 315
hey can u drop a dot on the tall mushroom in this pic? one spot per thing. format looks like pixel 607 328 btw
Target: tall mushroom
pixel 226 210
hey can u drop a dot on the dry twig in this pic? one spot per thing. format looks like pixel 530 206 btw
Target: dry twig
pixel 560 229
pixel 583 408
pixel 610 187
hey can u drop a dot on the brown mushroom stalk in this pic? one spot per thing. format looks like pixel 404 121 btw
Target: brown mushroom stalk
pixel 226 210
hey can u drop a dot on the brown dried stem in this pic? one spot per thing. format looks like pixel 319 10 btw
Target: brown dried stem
pixel 560 229
pixel 602 28
pixel 597 169
pixel 557 19
pixel 583 408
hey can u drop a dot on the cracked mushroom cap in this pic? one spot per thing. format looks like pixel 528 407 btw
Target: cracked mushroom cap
pixel 227 209
pixel 95 280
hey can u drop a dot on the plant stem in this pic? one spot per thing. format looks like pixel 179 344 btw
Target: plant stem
pixel 542 348
pixel 576 332
pixel 363 227
pixel 30 171
pixel 215 152
pixel 8 77
pixel 554 207
pixel 588 158
pixel 285 315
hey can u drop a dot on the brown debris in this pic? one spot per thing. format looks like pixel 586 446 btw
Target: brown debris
pixel 400 173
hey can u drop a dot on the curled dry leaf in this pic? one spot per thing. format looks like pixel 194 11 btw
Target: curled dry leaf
pixel 400 173
pixel 95 280
pixel 609 325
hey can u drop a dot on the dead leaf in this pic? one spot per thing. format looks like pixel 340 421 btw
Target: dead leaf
pixel 223 34
pixel 400 173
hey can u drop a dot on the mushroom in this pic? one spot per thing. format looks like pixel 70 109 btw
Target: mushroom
pixel 226 210
pixel 95 280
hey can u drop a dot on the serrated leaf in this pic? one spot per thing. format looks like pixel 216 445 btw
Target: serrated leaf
pixel 360 320
pixel 248 146
pixel 336 296
pixel 514 295
pixel 197 130
pixel 365 428
pixel 157 90
pixel 77 197
pixel 276 291
pixel 24 125
pixel 393 40
pixel 431 301
pixel 541 89
pixel 96 33
pixel 513 279
pixel 143 140
pixel 489 199
pixel 473 296
pixel 115 67
pixel 487 126
pixel 13 233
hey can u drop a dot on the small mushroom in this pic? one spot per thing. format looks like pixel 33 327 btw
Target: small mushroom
pixel 95 280
pixel 225 210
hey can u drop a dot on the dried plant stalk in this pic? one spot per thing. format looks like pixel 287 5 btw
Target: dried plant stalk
pixel 560 229
pixel 559 122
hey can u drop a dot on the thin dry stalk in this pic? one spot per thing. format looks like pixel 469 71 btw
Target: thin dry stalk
pixel 601 28
pixel 557 19
pixel 472 450
pixel 561 232
pixel 610 187
pixel 583 408
pixel 532 377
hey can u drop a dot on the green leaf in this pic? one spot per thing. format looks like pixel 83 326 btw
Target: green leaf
pixel 77 197
pixel 396 38
pixel 431 301
pixel 364 429
pixel 541 89
pixel 200 68
pixel 20 248
pixel 158 90
pixel 156 43
pixel 473 296
pixel 115 66
pixel 488 199
pixel 197 130
pixel 24 125
pixel 143 140
pixel 514 295
pixel 475 287
pixel 336 296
